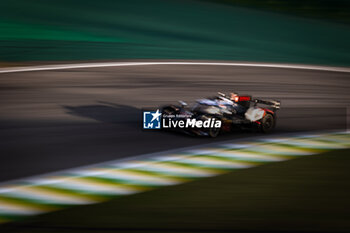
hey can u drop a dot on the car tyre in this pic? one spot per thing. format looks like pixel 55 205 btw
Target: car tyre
pixel 267 123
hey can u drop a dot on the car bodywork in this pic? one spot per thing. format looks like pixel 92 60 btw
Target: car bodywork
pixel 242 111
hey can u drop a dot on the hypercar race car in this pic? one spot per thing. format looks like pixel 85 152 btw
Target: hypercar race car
pixel 221 113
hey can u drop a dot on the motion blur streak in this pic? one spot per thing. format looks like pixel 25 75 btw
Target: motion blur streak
pixel 113 64
pixel 73 187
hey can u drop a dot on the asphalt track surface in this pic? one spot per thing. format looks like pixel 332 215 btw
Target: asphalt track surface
pixel 58 119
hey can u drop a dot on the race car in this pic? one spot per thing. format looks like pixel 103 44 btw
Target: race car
pixel 224 113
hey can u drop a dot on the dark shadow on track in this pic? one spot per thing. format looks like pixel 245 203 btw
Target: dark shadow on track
pixel 107 112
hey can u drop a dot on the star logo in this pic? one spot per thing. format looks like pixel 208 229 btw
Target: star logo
pixel 151 119
pixel 156 115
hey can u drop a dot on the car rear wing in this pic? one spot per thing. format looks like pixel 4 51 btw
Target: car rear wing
pixel 276 104
pixel 245 100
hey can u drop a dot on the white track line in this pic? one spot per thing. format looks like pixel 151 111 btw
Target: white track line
pixel 114 64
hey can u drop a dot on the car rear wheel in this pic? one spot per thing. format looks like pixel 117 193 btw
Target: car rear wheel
pixel 267 123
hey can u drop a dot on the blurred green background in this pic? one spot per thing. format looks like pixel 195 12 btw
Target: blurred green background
pixel 333 10
pixel 39 30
